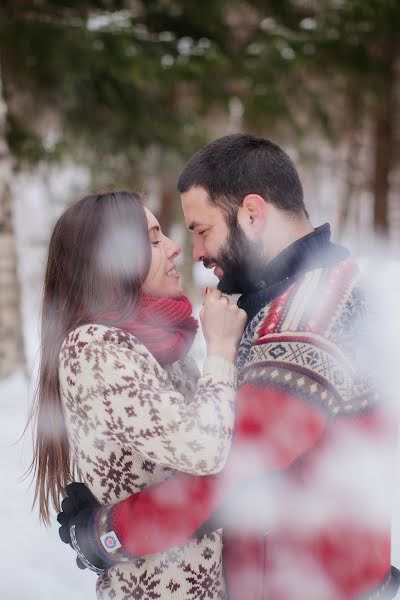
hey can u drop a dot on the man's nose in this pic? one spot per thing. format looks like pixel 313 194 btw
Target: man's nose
pixel 198 251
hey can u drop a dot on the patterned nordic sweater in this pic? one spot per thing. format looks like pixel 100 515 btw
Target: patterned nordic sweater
pixel 130 424
pixel 309 464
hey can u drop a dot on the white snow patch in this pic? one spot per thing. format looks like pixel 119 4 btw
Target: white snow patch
pixel 35 563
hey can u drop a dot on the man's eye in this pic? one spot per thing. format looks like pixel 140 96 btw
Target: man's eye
pixel 156 242
pixel 202 232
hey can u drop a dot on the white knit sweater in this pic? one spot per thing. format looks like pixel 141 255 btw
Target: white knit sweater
pixel 131 423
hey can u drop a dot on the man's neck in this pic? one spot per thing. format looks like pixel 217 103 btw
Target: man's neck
pixel 312 250
pixel 283 232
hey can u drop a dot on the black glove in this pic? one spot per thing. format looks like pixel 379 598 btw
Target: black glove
pixel 79 511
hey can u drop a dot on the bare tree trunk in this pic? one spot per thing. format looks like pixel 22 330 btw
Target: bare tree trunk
pixel 384 147
pixel 168 201
pixel 11 344
pixel 352 162
pixel 382 159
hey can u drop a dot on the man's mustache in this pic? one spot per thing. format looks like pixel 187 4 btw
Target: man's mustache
pixel 209 261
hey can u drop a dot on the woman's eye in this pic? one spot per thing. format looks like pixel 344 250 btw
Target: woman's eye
pixel 202 232
pixel 156 242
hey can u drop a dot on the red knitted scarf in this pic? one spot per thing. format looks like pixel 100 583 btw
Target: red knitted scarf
pixel 164 325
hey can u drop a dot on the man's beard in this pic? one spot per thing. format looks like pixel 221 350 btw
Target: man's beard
pixel 242 261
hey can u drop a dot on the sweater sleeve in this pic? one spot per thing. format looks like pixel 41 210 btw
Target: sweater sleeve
pixel 117 394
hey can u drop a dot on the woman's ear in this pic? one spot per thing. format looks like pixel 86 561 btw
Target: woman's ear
pixel 252 215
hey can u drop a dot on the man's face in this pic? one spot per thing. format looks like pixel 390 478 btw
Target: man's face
pixel 238 262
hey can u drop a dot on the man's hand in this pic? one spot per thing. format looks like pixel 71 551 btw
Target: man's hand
pixel 78 514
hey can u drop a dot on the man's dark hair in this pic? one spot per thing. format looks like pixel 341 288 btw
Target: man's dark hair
pixel 235 165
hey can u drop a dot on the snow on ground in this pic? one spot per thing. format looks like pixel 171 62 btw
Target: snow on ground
pixel 35 564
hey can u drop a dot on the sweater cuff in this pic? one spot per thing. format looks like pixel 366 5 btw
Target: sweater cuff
pixel 219 368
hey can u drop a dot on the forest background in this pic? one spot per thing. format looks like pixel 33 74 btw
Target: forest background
pixel 116 94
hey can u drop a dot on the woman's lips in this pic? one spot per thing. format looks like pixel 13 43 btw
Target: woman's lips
pixel 173 273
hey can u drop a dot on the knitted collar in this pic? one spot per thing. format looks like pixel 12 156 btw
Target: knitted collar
pixel 313 251
pixel 164 325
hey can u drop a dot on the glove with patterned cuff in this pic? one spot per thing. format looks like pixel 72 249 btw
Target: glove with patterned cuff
pixel 79 520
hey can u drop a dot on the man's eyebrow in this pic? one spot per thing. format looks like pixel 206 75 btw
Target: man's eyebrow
pixel 154 228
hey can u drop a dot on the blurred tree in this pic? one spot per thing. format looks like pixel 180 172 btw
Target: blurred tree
pixel 357 48
pixel 11 346
pixel 333 63
pixel 102 82
pixel 99 82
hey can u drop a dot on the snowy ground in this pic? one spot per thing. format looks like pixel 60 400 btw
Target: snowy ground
pixel 35 565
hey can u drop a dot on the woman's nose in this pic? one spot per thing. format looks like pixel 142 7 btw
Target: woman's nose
pixel 174 249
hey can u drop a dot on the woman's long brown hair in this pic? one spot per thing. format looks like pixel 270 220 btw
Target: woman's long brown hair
pixel 99 256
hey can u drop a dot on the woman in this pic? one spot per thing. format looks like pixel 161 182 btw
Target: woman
pixel 119 401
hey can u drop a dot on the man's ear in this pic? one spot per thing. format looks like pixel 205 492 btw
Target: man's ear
pixel 252 214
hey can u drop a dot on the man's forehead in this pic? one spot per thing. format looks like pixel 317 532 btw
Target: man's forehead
pixel 197 208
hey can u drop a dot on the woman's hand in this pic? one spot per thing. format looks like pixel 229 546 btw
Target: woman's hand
pixel 223 324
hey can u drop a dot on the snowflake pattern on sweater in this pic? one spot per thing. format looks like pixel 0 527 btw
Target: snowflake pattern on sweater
pixel 132 423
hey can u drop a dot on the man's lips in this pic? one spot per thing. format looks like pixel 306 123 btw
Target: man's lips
pixel 218 272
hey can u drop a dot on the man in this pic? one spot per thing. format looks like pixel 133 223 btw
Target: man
pixel 303 497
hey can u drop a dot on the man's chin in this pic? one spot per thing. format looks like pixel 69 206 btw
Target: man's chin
pixel 230 285
pixel 227 287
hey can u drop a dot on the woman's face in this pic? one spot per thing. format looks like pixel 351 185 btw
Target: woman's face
pixel 162 278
